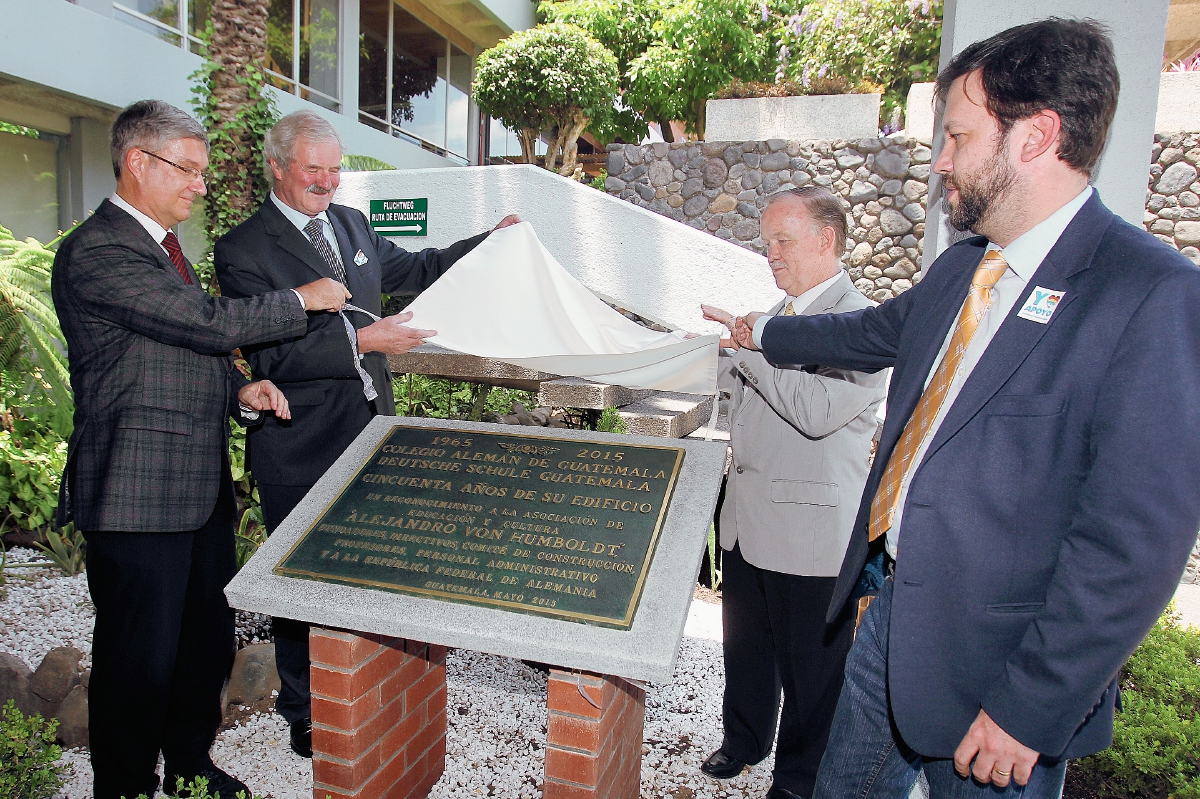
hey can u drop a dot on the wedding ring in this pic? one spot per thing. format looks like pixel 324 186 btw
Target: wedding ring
pixel 1000 773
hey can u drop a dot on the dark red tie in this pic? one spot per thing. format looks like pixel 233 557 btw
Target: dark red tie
pixel 175 253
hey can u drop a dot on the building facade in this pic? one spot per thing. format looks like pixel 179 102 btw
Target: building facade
pixel 394 76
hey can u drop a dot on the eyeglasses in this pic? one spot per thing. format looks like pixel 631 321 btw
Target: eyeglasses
pixel 190 171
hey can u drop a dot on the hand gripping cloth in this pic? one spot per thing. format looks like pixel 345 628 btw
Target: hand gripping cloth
pixel 510 300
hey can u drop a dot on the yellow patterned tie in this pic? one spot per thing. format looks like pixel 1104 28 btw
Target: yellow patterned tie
pixel 979 298
pixel 789 310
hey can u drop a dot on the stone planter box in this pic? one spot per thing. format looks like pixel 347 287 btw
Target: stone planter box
pixel 835 116
pixel 1178 102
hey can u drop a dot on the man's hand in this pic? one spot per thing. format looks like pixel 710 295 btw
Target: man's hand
pixel 714 314
pixel 511 219
pixel 998 756
pixel 743 330
pixel 263 395
pixel 325 294
pixel 389 335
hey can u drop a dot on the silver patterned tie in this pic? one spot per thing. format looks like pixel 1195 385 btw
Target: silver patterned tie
pixel 317 237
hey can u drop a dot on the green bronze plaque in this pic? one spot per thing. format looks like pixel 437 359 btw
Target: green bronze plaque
pixel 562 528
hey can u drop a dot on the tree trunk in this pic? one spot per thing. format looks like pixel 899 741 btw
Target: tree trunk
pixel 528 138
pixel 570 142
pixel 239 39
pixel 701 113
pixel 555 148
pixel 667 134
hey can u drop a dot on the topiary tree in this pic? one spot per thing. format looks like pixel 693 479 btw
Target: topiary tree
pixel 552 76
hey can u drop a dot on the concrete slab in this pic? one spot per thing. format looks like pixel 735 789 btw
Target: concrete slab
pixel 430 359
pixel 667 414
pixel 575 392
pixel 646 651
pixel 1187 604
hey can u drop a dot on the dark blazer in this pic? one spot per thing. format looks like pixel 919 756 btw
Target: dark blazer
pixel 1052 516
pixel 152 375
pixel 316 370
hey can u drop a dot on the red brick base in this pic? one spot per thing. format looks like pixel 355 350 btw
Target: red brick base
pixel 379 715
pixel 593 748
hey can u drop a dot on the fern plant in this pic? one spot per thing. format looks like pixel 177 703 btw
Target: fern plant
pixel 28 323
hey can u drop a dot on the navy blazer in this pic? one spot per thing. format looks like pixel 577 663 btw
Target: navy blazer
pixel 1052 516
pixel 316 370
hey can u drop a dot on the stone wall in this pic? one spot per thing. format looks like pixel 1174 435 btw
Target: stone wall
pixel 722 187
pixel 1173 194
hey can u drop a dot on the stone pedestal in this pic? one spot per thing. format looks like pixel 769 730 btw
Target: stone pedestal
pixel 379 715
pixel 594 737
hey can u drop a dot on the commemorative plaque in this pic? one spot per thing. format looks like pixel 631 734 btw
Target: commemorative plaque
pixel 561 528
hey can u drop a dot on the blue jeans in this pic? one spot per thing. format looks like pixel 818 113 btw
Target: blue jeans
pixel 866 758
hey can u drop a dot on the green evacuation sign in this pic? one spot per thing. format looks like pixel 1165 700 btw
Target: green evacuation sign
pixel 400 217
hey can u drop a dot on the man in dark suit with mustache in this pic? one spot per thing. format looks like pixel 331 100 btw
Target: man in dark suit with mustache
pixel 336 376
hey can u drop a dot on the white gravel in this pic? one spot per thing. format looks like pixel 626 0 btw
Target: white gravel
pixel 496 708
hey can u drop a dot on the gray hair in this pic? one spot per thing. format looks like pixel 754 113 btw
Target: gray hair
pixel 279 145
pixel 149 125
pixel 824 208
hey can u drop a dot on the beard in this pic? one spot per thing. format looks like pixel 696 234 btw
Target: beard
pixel 978 194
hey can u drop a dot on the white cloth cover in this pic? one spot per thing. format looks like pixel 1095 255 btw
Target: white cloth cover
pixel 508 299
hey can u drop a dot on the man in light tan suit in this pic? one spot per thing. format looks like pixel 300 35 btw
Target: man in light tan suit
pixel 801 446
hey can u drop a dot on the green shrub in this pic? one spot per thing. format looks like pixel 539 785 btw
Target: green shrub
pixel 29 767
pixel 438 398
pixel 31 464
pixel 1156 736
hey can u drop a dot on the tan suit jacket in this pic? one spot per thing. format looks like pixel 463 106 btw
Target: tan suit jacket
pixel 801 442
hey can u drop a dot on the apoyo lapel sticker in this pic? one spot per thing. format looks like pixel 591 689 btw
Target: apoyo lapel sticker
pixel 1041 304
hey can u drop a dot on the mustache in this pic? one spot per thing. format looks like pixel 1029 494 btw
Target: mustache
pixel 315 189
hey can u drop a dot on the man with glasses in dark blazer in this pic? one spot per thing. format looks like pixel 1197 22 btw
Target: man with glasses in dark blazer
pixel 147 477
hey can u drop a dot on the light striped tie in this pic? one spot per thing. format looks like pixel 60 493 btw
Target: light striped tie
pixel 317 236
pixel 979 299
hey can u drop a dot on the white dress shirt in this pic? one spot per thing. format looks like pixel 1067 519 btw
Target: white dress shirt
pixel 1024 255
pixel 300 219
pixel 156 231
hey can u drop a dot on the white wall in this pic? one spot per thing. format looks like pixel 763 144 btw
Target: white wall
pixel 1139 32
pixel 647 263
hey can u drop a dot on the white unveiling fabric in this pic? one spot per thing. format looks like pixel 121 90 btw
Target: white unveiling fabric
pixel 508 299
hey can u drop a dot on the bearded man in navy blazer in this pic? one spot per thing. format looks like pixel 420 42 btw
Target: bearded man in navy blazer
pixel 1034 487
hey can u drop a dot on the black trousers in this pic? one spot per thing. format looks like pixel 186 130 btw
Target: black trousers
pixel 776 640
pixel 291 636
pixel 161 650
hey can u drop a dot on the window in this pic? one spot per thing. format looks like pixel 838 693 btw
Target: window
pixel 303 38
pixel 504 144
pixel 302 49
pixel 178 22
pixel 413 82
pixel 29 162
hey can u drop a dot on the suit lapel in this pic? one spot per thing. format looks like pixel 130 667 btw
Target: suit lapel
pixel 1016 337
pixel 121 219
pixel 929 336
pixel 292 240
pixel 346 247
pixel 830 297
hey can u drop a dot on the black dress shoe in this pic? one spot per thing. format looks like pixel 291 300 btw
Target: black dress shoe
pixel 226 785
pixel 722 766
pixel 302 737
pixel 777 792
